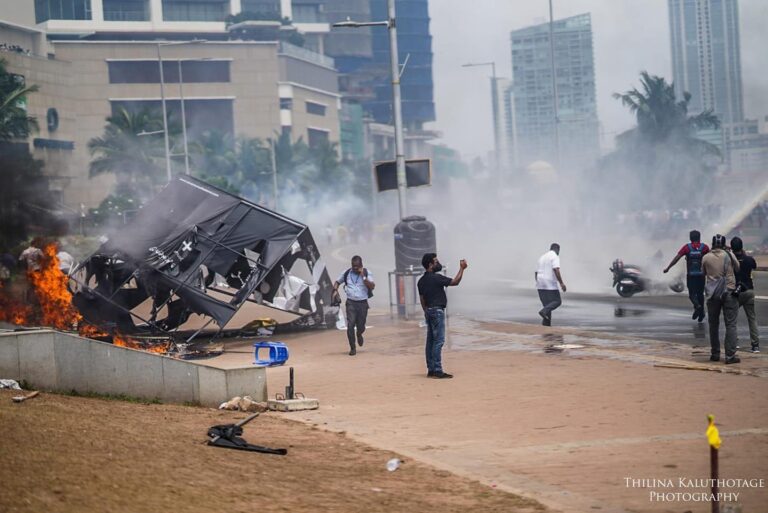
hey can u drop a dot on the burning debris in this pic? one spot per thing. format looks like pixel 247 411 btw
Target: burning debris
pixel 49 303
pixel 196 255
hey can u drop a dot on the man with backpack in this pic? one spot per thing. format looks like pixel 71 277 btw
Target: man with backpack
pixel 358 286
pixel 694 253
pixel 720 268
pixel 745 289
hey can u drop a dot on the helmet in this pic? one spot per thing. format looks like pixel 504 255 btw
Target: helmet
pixel 718 241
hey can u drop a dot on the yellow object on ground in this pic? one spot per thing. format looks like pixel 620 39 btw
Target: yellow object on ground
pixel 713 435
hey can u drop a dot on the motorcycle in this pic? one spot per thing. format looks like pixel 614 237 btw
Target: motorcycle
pixel 629 279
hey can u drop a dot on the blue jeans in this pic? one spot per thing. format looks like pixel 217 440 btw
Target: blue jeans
pixel 435 318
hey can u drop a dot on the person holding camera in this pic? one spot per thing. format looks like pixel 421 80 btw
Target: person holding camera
pixel 745 289
pixel 434 301
pixel 358 286
pixel 720 268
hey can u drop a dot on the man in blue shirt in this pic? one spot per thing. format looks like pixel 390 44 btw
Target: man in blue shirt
pixel 358 286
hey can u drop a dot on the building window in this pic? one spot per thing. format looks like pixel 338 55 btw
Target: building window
pixel 307 13
pixel 261 6
pixel 62 10
pixel 126 10
pixel 148 72
pixel 316 137
pixel 317 109
pixel 195 10
pixel 286 103
pixel 201 115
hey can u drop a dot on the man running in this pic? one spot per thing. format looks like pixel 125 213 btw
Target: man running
pixel 694 253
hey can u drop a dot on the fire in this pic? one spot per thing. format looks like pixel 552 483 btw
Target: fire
pixel 90 331
pixel 50 286
pixel 123 341
pixel 13 311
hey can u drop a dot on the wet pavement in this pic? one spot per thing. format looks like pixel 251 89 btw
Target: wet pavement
pixel 663 317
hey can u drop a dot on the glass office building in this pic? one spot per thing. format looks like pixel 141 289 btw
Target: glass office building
pixel 533 94
pixel 706 60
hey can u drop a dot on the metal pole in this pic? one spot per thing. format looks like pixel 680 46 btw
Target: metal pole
pixel 496 119
pixel 274 171
pixel 396 104
pixel 183 120
pixel 554 83
pixel 169 176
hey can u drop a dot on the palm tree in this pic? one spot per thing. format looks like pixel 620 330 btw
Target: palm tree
pixel 131 150
pixel 661 159
pixel 15 122
pixel 661 118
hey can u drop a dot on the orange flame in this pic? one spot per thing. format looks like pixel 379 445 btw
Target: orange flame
pixel 123 341
pixel 13 311
pixel 56 310
pixel 50 286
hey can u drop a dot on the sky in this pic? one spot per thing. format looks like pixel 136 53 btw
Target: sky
pixel 629 36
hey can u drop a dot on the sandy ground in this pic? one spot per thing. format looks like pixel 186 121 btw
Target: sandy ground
pixel 566 427
pixel 62 454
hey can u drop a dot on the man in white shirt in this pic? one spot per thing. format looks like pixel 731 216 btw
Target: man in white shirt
pixel 358 285
pixel 547 277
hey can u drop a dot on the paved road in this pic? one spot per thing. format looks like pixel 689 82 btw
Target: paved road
pixel 661 317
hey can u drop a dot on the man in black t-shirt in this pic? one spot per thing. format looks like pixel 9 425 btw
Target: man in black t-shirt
pixel 433 301
pixel 746 289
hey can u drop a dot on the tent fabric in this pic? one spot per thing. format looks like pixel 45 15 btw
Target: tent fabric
pixel 190 231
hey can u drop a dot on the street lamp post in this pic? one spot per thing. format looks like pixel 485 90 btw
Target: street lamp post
pixel 168 173
pixel 183 119
pixel 394 59
pixel 496 114
pixel 554 83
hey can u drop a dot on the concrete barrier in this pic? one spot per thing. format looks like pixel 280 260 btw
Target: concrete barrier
pixel 55 361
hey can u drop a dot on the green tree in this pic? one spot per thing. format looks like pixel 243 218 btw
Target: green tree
pixel 25 201
pixel 661 159
pixel 15 121
pixel 129 149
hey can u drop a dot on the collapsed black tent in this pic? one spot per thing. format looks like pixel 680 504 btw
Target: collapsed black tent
pixel 197 251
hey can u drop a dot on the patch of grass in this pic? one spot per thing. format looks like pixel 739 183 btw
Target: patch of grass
pixel 25 385
pixel 114 397
pixel 194 404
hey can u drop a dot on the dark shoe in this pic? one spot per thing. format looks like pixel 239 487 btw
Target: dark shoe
pixel 755 348
pixel 546 322
pixel 695 313
pixel 701 316
pixel 442 375
pixel 546 317
pixel 352 352
pixel 360 340
pixel 714 358
pixel 732 359
pixel 430 374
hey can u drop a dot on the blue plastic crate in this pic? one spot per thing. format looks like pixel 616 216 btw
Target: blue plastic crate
pixel 278 353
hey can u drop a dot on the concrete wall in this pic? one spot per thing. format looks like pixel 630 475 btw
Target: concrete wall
pixel 54 361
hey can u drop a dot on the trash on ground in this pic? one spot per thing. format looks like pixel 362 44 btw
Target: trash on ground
pixel 228 437
pixel 245 403
pixel 393 464
pixel 22 398
pixel 10 383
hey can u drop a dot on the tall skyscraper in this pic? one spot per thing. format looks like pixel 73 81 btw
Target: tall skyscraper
pixel 531 109
pixel 706 59
pixel 414 43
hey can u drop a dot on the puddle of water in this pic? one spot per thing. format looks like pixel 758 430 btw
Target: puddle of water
pixel 621 311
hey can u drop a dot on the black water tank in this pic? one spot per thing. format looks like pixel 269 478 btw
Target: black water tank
pixel 414 236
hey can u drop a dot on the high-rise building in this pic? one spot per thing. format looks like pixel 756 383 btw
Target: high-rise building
pixel 706 59
pixel 414 43
pixel 533 135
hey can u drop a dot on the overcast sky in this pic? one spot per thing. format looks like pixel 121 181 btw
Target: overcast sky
pixel 629 36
